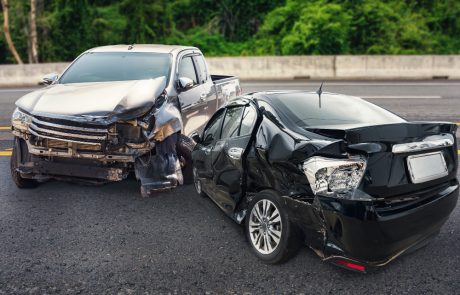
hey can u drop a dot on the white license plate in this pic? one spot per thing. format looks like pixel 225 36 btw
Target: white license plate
pixel 426 167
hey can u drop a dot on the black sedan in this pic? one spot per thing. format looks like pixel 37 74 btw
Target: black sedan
pixel 356 183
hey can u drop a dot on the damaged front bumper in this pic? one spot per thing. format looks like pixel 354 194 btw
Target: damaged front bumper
pixel 96 148
pixel 363 235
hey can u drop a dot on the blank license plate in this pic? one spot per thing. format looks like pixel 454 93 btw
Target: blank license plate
pixel 426 167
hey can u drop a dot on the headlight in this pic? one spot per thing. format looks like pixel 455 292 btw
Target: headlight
pixel 20 120
pixel 334 177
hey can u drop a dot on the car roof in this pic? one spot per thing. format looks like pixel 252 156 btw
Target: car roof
pixel 271 95
pixel 154 48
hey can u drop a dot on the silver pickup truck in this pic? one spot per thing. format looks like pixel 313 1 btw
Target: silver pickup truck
pixel 116 110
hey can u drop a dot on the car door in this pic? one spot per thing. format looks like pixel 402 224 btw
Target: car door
pixel 192 99
pixel 228 156
pixel 204 78
pixel 203 153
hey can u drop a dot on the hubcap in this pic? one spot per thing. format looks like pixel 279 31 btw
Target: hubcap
pixel 265 226
pixel 196 181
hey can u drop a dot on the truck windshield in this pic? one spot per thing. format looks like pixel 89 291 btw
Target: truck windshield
pixel 304 110
pixel 117 66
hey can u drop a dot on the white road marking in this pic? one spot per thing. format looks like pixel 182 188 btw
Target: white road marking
pixel 7 90
pixel 402 96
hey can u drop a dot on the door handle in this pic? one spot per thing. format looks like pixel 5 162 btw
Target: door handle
pixel 235 153
pixel 203 96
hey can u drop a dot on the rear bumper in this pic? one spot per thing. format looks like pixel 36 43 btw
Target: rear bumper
pixel 373 235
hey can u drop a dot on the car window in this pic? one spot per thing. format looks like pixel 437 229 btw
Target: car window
pixel 212 130
pixel 117 66
pixel 232 122
pixel 248 121
pixel 203 71
pixel 187 69
pixel 304 110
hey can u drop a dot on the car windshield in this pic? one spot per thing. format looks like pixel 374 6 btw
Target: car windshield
pixel 305 110
pixel 117 66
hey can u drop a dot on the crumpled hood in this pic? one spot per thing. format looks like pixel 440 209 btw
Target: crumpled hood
pixel 93 99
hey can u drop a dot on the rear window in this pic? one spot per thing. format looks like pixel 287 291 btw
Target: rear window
pixel 305 110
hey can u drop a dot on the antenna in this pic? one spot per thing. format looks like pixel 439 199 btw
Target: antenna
pixel 319 92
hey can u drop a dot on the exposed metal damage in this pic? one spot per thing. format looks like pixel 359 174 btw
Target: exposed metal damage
pixel 147 144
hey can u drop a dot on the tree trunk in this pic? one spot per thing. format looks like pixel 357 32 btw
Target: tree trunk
pixel 6 30
pixel 33 46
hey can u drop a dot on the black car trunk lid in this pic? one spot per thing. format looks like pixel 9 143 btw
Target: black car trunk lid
pixel 388 174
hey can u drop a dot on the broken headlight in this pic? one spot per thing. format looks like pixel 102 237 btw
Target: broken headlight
pixel 20 120
pixel 338 177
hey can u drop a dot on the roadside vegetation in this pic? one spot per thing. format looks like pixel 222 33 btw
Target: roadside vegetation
pixel 65 28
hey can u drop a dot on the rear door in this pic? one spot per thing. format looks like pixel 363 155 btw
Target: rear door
pixel 228 155
pixel 193 101
pixel 204 78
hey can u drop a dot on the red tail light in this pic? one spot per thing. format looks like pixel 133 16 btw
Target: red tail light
pixel 350 265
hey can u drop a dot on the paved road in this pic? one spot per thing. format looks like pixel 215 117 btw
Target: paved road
pixel 67 238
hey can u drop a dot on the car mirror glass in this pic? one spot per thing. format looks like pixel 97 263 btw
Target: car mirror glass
pixel 196 137
pixel 209 138
pixel 185 83
pixel 50 78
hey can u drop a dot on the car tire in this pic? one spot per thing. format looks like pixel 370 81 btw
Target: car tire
pixel 184 148
pixel 273 226
pixel 197 183
pixel 20 182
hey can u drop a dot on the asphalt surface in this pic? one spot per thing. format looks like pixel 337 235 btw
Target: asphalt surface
pixel 68 238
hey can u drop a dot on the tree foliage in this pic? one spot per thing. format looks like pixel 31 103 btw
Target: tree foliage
pixel 238 27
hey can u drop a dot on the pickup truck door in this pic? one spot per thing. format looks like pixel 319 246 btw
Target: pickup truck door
pixel 208 84
pixel 228 156
pixel 193 100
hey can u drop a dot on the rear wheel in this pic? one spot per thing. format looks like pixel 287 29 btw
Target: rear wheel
pixel 272 237
pixel 17 156
pixel 184 148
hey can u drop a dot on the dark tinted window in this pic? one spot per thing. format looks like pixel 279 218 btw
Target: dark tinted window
pixel 248 121
pixel 304 110
pixel 187 69
pixel 232 122
pixel 117 66
pixel 203 73
pixel 212 130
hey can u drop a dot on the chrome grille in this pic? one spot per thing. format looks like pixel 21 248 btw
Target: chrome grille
pixel 67 133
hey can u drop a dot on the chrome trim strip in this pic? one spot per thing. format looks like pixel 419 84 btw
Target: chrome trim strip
pixel 429 143
pixel 102 130
pixel 60 139
pixel 91 137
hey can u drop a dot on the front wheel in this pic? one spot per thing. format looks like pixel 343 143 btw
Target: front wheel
pixel 272 237
pixel 184 148
pixel 17 156
pixel 197 182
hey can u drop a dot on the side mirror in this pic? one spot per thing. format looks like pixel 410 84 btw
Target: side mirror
pixel 196 137
pixel 185 83
pixel 209 139
pixel 50 78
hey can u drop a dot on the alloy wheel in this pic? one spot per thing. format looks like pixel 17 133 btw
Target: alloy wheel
pixel 265 226
pixel 196 181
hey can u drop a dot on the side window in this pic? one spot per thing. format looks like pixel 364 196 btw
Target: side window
pixel 232 122
pixel 248 121
pixel 187 69
pixel 213 129
pixel 203 71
